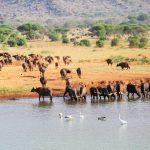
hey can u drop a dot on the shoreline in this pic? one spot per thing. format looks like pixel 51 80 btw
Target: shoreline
pixel 57 92
pixel 24 95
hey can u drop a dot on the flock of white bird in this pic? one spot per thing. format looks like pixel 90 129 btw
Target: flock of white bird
pixel 81 116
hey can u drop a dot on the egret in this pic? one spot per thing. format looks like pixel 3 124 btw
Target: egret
pixel 123 122
pixel 81 116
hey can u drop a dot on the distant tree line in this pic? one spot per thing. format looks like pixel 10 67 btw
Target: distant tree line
pixel 135 29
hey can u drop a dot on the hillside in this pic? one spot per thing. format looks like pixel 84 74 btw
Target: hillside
pixel 58 11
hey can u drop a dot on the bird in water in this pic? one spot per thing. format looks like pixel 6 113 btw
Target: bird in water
pixel 60 115
pixel 81 116
pixel 102 118
pixel 123 122
pixel 68 117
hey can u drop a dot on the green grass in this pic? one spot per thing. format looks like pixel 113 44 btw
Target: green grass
pixel 14 90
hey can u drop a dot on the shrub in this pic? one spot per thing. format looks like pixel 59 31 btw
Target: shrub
pixel 102 37
pixel 12 42
pixel 21 42
pixel 72 39
pixel 100 43
pixel 65 40
pixel 134 41
pixel 85 43
pixel 114 42
pixel 143 42
pixel 54 36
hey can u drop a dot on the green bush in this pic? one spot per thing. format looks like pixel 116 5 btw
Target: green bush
pixel 100 43
pixel 134 41
pixel 102 37
pixel 21 42
pixel 114 42
pixel 85 43
pixel 65 40
pixel 143 42
pixel 32 31
pixel 72 39
pixel 54 36
pixel 12 42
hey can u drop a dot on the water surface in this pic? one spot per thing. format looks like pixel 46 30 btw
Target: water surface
pixel 27 125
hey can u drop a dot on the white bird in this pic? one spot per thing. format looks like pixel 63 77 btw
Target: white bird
pixel 81 116
pixel 123 122
pixel 60 115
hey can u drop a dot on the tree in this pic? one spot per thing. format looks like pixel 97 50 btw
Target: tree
pixel 98 30
pixel 32 31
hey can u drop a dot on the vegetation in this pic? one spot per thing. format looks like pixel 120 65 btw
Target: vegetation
pixel 31 31
pixel 102 30
pixel 65 39
pixel 135 30
pixel 100 43
pixel 119 58
pixel 21 42
pixel 85 43
pixel 54 36
pixel 114 42
pixel 144 60
pixel 143 42
pixel 136 41
pixel 11 37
